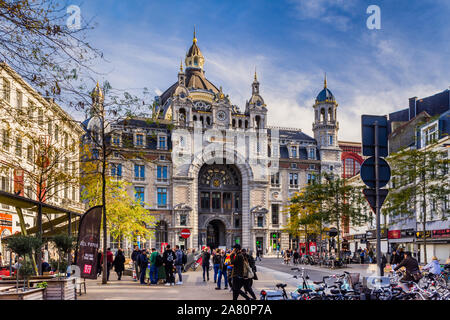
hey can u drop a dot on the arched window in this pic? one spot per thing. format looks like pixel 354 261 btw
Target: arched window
pixel 202 120
pixel 322 114
pixel 257 122
pixel 208 121
pixel 196 61
pixel 240 123
pixel 246 124
pixel 233 123
pixel 182 117
pixel 194 118
pixel 330 115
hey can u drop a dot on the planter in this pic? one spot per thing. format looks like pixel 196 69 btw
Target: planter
pixel 32 294
pixel 61 289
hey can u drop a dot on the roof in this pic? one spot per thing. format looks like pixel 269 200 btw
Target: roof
pixel 195 79
pixel 325 95
pixel 294 135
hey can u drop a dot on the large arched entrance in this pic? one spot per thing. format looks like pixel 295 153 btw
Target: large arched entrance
pixel 219 205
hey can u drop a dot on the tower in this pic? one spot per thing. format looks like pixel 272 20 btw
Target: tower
pixel 325 128
pixel 194 57
pixel 256 108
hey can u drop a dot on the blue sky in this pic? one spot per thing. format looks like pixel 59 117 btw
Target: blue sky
pixel 292 43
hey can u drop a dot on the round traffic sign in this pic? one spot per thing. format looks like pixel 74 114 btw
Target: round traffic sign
pixel 185 233
pixel 368 172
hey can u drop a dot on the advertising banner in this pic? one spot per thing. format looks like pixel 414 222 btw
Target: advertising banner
pixel 89 242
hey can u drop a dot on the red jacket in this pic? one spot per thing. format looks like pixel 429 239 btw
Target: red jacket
pixel 109 257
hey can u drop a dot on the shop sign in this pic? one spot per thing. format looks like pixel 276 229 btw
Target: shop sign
pixel 360 236
pixel 443 233
pixel 394 234
pixel 420 234
pixel 372 234
pixel 408 233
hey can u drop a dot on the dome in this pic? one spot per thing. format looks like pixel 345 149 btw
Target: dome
pixel 325 95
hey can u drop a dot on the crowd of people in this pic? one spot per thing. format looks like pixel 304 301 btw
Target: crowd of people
pixel 233 269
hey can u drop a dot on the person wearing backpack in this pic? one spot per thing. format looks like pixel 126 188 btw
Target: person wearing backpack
pixel 169 258
pixel 155 263
pixel 249 273
pixel 216 264
pixel 206 256
pixel 179 263
pixel 143 264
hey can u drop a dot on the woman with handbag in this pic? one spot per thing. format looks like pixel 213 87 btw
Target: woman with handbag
pixel 249 266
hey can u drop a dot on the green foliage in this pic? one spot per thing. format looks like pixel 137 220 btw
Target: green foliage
pixel 59 266
pixel 42 285
pixel 24 245
pixel 64 243
pixel 26 269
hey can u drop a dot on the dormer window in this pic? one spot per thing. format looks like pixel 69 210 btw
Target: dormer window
pixel 116 140
pixel 312 154
pixel 162 142
pixel 294 152
pixel 139 140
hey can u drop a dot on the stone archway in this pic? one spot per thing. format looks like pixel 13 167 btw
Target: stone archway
pixel 231 157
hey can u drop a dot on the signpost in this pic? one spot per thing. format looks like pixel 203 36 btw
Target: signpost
pixel 375 171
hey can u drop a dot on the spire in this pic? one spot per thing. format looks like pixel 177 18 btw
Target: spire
pixel 195 36
pixel 325 81
pixel 256 78
pixel 181 65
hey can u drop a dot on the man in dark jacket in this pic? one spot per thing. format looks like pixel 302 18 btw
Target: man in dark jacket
pixel 134 257
pixel 119 264
pixel 222 271
pixel 248 282
pixel 237 274
pixel 143 264
pixel 206 256
pixel 179 263
pixel 169 258
pixel 216 263
pixel 395 258
pixel 411 265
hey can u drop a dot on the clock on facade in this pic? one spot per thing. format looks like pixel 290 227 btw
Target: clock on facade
pixel 221 115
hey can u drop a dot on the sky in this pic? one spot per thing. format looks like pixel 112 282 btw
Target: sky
pixel 291 43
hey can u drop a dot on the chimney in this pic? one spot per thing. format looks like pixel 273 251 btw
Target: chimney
pixel 412 107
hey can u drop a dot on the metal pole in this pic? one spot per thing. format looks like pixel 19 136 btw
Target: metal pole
pixel 377 204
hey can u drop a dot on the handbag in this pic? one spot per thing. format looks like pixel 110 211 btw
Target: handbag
pixel 248 273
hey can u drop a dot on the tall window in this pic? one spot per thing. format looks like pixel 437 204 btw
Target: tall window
pixel 116 140
pixel 331 140
pixel 162 173
pixel 116 170
pixel 162 197
pixel 275 179
pixel 312 154
pixel 5 184
pixel 294 152
pixel 260 222
pixel 56 133
pixel 293 179
pixel 49 128
pixel 311 178
pixel 41 117
pixel 227 201
pixel 139 194
pixel 18 147
pixel 275 214
pixel 204 200
pixel 431 135
pixel 216 200
pixel 139 172
pixel 5 140
pixel 19 100
pixel 237 200
pixel 162 142
pixel 30 153
pixel 6 90
pixel 140 140
pixel 183 220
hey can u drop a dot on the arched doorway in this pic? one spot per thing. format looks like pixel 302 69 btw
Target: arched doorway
pixel 215 234
pixel 219 205
pixel 161 234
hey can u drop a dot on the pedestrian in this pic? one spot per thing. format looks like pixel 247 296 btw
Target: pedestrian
pixel 249 263
pixel 237 274
pixel 229 269
pixel 296 256
pixel 361 256
pixel 258 254
pixel 109 262
pixel 383 263
pixel 222 271
pixel 134 257
pixel 99 262
pixel 206 256
pixel 370 255
pixel 155 263
pixel 119 264
pixel 169 258
pixel 179 264
pixel 143 265
pixel 216 264
pixel 434 267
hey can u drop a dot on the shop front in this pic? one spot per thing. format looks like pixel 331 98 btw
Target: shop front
pixel 371 237
pixel 438 244
pixel 401 239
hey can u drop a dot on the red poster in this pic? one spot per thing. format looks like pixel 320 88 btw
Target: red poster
pixel 394 234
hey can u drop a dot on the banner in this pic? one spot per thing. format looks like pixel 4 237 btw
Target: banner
pixel 89 242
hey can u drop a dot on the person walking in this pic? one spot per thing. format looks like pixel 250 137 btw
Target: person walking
pixel 370 255
pixel 143 265
pixel 99 262
pixel 169 258
pixel 222 271
pixel 119 264
pixel 179 264
pixel 134 257
pixel 258 254
pixel 361 256
pixel 229 269
pixel 249 263
pixel 206 256
pixel 216 264
pixel 109 262
pixel 296 257
pixel 153 266
pixel 237 274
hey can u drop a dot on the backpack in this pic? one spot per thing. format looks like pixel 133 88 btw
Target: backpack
pixel 158 261
pixel 248 273
pixel 184 258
